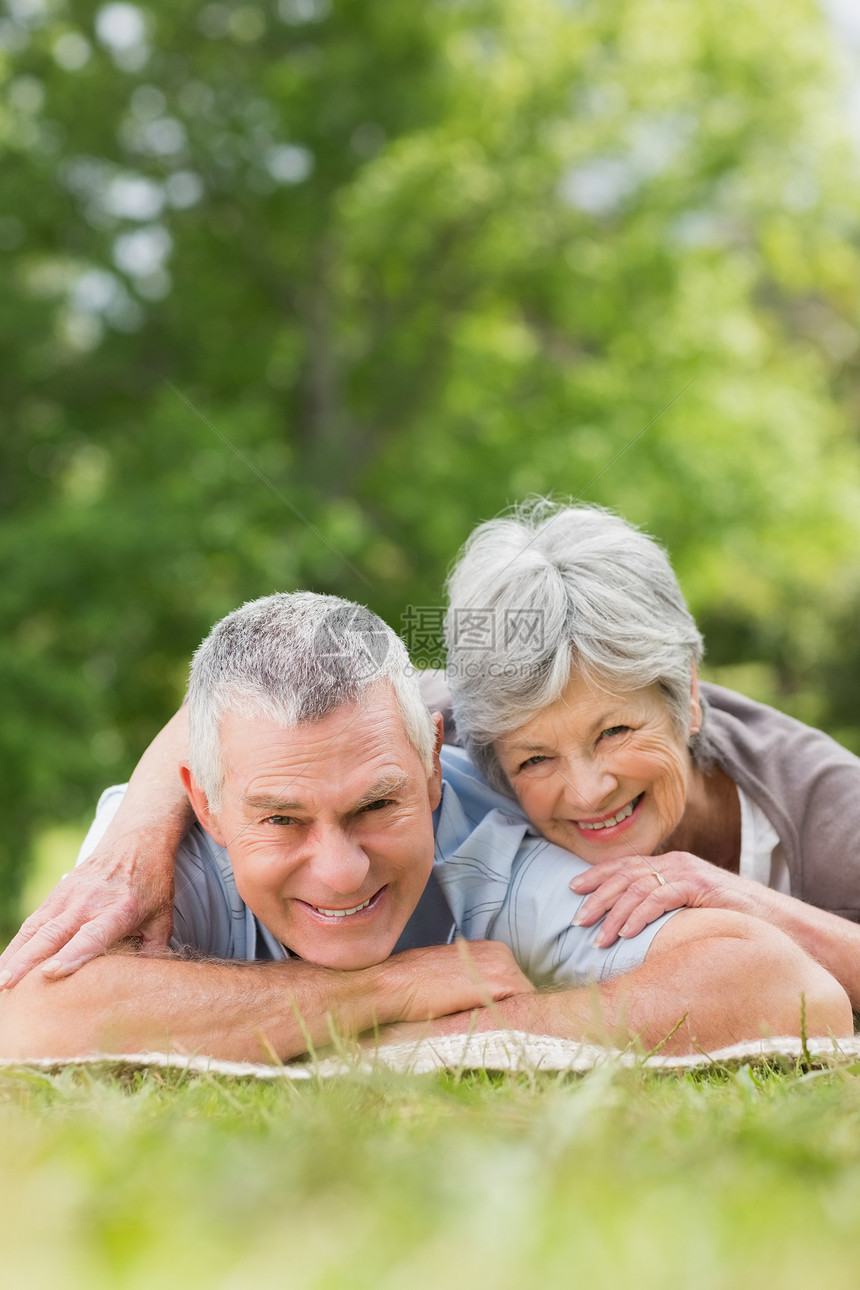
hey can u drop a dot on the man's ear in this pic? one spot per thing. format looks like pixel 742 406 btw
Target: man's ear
pixel 434 783
pixel 696 715
pixel 200 803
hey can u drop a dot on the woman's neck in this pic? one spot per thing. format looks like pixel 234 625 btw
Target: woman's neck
pixel 711 824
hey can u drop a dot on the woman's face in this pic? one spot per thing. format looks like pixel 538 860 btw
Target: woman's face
pixel 602 774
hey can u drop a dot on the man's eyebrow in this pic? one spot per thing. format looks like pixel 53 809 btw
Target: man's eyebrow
pixel 269 802
pixel 388 786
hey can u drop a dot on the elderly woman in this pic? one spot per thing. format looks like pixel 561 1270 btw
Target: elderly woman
pixel 572 671
pixel 572 662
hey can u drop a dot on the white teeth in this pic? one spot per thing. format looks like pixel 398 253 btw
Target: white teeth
pixel 341 913
pixel 614 819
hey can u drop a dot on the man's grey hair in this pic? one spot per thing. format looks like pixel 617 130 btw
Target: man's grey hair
pixel 560 588
pixel 294 658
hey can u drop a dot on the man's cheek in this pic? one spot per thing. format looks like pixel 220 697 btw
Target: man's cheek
pixel 260 872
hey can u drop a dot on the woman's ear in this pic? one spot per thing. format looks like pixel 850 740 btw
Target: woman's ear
pixel 200 803
pixel 696 715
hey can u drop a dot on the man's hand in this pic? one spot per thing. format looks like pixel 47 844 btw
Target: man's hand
pixel 455 978
pixel 629 892
pixel 122 890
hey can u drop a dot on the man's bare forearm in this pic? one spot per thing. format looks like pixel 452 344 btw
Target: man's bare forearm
pixel 739 980
pixel 125 1003
pixel 833 941
pixel 241 1012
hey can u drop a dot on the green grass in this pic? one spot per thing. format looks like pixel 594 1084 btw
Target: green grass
pixel 621 1179
pixel 617 1179
pixel 54 853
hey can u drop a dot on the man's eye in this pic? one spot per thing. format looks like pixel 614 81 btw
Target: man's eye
pixel 279 819
pixel 378 805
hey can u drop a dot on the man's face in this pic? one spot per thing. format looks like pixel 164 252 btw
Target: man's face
pixel 328 827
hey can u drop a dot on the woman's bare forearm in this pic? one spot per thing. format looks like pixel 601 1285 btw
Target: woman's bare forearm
pixel 125 887
pixel 155 798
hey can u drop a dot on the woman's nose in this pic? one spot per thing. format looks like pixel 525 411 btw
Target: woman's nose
pixel 587 785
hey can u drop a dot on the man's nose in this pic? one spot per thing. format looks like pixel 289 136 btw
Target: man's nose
pixel 338 861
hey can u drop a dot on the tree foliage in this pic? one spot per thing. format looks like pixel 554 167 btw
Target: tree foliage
pixel 295 294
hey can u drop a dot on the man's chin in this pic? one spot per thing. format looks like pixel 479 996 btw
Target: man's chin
pixel 352 957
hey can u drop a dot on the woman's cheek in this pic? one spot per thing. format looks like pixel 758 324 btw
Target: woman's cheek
pixel 671 795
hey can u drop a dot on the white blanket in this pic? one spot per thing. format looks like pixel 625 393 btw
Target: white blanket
pixel 504 1050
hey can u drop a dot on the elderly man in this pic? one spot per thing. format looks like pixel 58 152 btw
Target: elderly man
pixel 308 899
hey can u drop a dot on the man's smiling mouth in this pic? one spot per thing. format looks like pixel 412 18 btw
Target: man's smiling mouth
pixel 343 913
pixel 612 819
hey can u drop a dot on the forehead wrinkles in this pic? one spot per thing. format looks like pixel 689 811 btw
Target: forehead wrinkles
pixel 565 723
pixel 328 781
pixel 337 774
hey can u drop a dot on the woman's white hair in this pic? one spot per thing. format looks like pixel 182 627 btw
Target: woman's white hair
pixel 551 589
pixel 294 658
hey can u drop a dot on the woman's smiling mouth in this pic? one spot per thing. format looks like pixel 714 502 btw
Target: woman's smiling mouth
pixel 611 820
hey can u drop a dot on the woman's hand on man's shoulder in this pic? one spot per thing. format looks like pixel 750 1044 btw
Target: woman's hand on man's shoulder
pixel 631 891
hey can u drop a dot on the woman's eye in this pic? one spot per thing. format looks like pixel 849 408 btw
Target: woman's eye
pixel 537 760
pixel 613 730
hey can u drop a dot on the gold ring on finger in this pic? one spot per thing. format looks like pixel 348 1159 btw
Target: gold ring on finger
pixel 660 879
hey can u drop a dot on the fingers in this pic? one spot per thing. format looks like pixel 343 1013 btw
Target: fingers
pixel 493 970
pixel 30 926
pixel 92 939
pixel 643 901
pixel 39 938
pixel 630 895
pixel 596 874
pixel 609 891
pixel 64 943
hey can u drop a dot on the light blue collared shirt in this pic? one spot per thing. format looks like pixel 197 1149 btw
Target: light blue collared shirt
pixel 501 882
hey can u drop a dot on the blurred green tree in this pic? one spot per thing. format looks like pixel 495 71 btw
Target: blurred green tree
pixel 294 294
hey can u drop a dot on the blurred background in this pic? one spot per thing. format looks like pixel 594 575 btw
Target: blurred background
pixel 294 293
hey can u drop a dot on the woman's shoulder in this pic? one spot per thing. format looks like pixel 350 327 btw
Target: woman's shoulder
pixel 806 783
pixel 739 726
pixel 760 723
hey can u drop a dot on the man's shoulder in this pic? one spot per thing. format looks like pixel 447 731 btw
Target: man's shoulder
pixel 505 882
pixel 474 795
pixel 478 831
